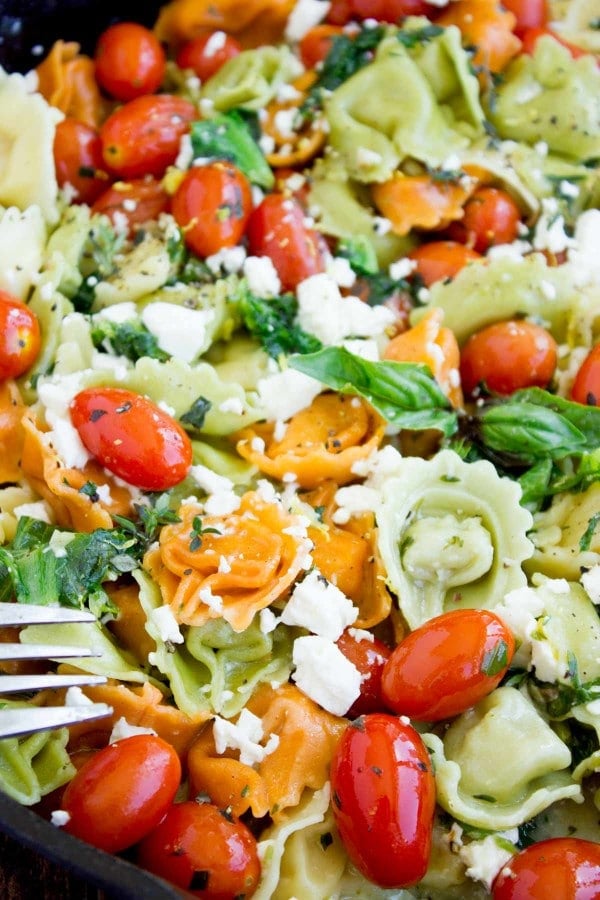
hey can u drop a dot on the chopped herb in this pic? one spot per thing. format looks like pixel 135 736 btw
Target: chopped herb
pixel 272 322
pixel 495 659
pixel 326 840
pixel 415 37
pixel 585 541
pixel 89 489
pixel 197 533
pixel 129 339
pixel 193 419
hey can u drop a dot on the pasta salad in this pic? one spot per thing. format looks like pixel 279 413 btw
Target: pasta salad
pixel 300 377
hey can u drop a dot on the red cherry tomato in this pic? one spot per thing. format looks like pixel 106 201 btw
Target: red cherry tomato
pixel 133 202
pixel 343 11
pixel 130 61
pixel 206 852
pixel 122 792
pixel 132 437
pixel 440 260
pixel 383 792
pixel 532 36
pixel 491 217
pixel 565 868
pixel 508 356
pixel 207 53
pixel 586 387
pixel 78 160
pixel 316 44
pixel 447 665
pixel 19 336
pixel 212 205
pixel 142 137
pixel 528 13
pixel 277 228
pixel 369 658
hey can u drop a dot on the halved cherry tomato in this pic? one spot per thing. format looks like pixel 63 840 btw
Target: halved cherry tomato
pixel 440 260
pixel 277 228
pixel 203 850
pixel 207 53
pixel 565 868
pixel 343 11
pixel 369 657
pixel 447 665
pixel 212 205
pixel 491 217
pixel 133 202
pixel 122 792
pixel 132 437
pixel 507 356
pixel 316 44
pixel 78 160
pixel 130 61
pixel 383 792
pixel 142 137
pixel 528 13
pixel 586 387
pixel 19 336
pixel 532 36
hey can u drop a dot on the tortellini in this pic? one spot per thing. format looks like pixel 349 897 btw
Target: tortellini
pixel 451 534
pixel 22 238
pixel 499 763
pixel 558 532
pixel 34 765
pixel 251 79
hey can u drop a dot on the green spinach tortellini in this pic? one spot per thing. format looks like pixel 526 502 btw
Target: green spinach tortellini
pixel 251 79
pixel 34 765
pixel 451 534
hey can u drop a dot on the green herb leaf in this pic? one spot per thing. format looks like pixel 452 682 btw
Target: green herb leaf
pixel 193 419
pixel 271 321
pixel 197 533
pixel 360 253
pixel 227 136
pixel 405 394
pixel 584 418
pixel 585 541
pixel 495 659
pixel 529 432
pixel 418 36
pixel 129 339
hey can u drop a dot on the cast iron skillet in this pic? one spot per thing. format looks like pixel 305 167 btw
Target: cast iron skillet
pixel 27 31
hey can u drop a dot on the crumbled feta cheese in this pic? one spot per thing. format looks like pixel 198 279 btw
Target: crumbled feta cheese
pixel 590 580
pixel 266 142
pixel 213 601
pixel 549 231
pixel 232 405
pixel 216 42
pixel 230 259
pixel 324 674
pixel 60 817
pixel 166 624
pixel 38 510
pixel 319 606
pixel 262 276
pixel 55 394
pixel 485 858
pixel 355 500
pixel 402 268
pixel 185 157
pixel 179 331
pixel 268 620
pixel 284 120
pixel 360 634
pixel 244 735
pixel 583 253
pixel 304 16
pixel 341 271
pixel 123 729
pixel 285 393
pixel 365 158
pixel 323 311
pixel 75 697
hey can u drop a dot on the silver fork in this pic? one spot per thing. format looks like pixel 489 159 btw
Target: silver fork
pixel 18 721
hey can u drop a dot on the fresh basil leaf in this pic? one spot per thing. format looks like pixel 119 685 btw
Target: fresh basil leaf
pixel 529 432
pixel 495 659
pixel 193 419
pixel 585 418
pixel 227 136
pixel 405 394
pixel 535 482
pixel 585 542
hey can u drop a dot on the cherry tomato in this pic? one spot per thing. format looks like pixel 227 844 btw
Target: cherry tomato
pixel 528 13
pixel 532 36
pixel 586 387
pixel 383 792
pixel 491 217
pixel 203 850
pixel 316 44
pixel 207 53
pixel 343 11
pixel 565 868
pixel 142 137
pixel 508 356
pixel 130 61
pixel 447 665
pixel 369 658
pixel 133 202
pixel 122 792
pixel 78 160
pixel 277 228
pixel 132 437
pixel 19 336
pixel 439 260
pixel 212 205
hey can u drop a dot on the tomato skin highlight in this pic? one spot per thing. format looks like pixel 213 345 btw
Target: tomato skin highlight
pixel 491 217
pixel 142 136
pixel 277 229
pixel 568 868
pixel 122 792
pixel 133 202
pixel 383 791
pixel 204 58
pixel 20 337
pixel 439 669
pixel 78 159
pixel 132 437
pixel 439 260
pixel 212 205
pixel 508 356
pixel 130 61
pixel 586 387
pixel 369 657
pixel 197 839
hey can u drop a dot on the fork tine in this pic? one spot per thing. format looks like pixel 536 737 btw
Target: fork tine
pixel 15 684
pixel 26 614
pixel 42 651
pixel 25 720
